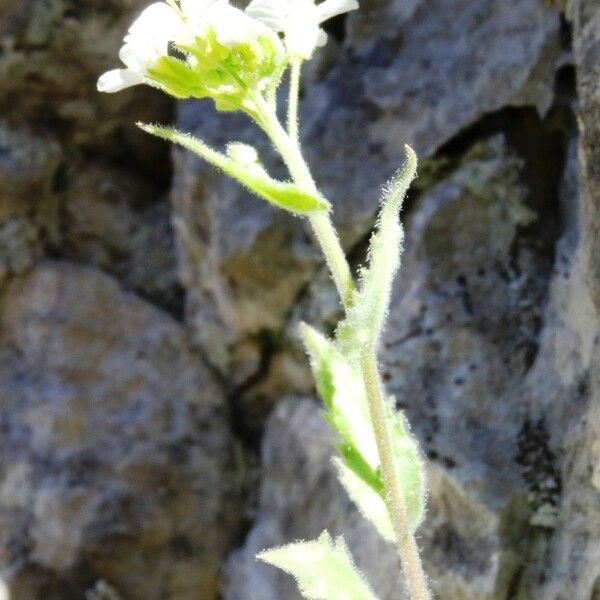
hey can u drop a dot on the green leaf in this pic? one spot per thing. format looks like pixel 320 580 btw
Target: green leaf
pixel 282 194
pixel 410 471
pixel 410 474
pixel 341 388
pixel 369 502
pixel 323 569
pixel 366 317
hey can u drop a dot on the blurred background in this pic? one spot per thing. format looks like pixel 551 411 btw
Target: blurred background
pixel 158 423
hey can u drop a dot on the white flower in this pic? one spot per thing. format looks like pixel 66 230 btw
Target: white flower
pixel 299 20
pixel 191 26
pixel 147 40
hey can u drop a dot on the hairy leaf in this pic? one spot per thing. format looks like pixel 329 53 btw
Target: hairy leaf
pixel 369 502
pixel 323 569
pixel 366 317
pixel 285 195
pixel 341 388
pixel 409 466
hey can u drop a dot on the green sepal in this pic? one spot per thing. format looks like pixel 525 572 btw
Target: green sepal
pixel 176 78
pixel 282 194
pixel 370 303
pixel 322 568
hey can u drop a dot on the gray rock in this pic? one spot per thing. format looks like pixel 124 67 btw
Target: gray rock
pixel 465 318
pixel 117 462
pixel 55 124
pixel 28 211
pixel 243 263
pixel 502 54
pixel 431 70
pixel 586 17
pixel 120 223
pixel 52 55
pixel 566 373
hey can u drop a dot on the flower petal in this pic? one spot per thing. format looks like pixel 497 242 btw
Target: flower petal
pixel 302 33
pixel 232 26
pixel 136 56
pixel 321 39
pixel 332 8
pixel 155 19
pixel 152 31
pixel 197 14
pixel 118 79
pixel 272 13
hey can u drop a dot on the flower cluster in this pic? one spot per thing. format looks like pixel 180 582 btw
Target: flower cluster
pixel 208 48
pixel 197 48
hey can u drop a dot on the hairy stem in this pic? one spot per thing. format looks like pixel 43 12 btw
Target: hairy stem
pixel 414 575
pixel 288 146
pixel 320 222
pixel 293 100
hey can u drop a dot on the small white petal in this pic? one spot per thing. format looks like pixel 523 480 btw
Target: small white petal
pixel 322 38
pixel 302 28
pixel 135 56
pixel 232 26
pixel 302 39
pixel 333 8
pixel 118 79
pixel 155 19
pixel 299 20
pixel 152 31
pixel 195 10
pixel 272 13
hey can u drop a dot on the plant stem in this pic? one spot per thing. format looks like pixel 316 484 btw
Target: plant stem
pixel 334 256
pixel 288 146
pixel 414 575
pixel 320 222
pixel 293 99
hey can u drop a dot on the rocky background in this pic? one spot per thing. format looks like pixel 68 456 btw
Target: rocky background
pixel 158 424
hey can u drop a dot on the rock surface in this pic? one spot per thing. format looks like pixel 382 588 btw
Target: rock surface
pixel 116 455
pixel 573 351
pixel 149 308
pixel 28 211
pixel 109 222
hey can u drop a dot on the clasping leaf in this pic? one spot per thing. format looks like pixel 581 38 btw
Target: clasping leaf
pixel 342 390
